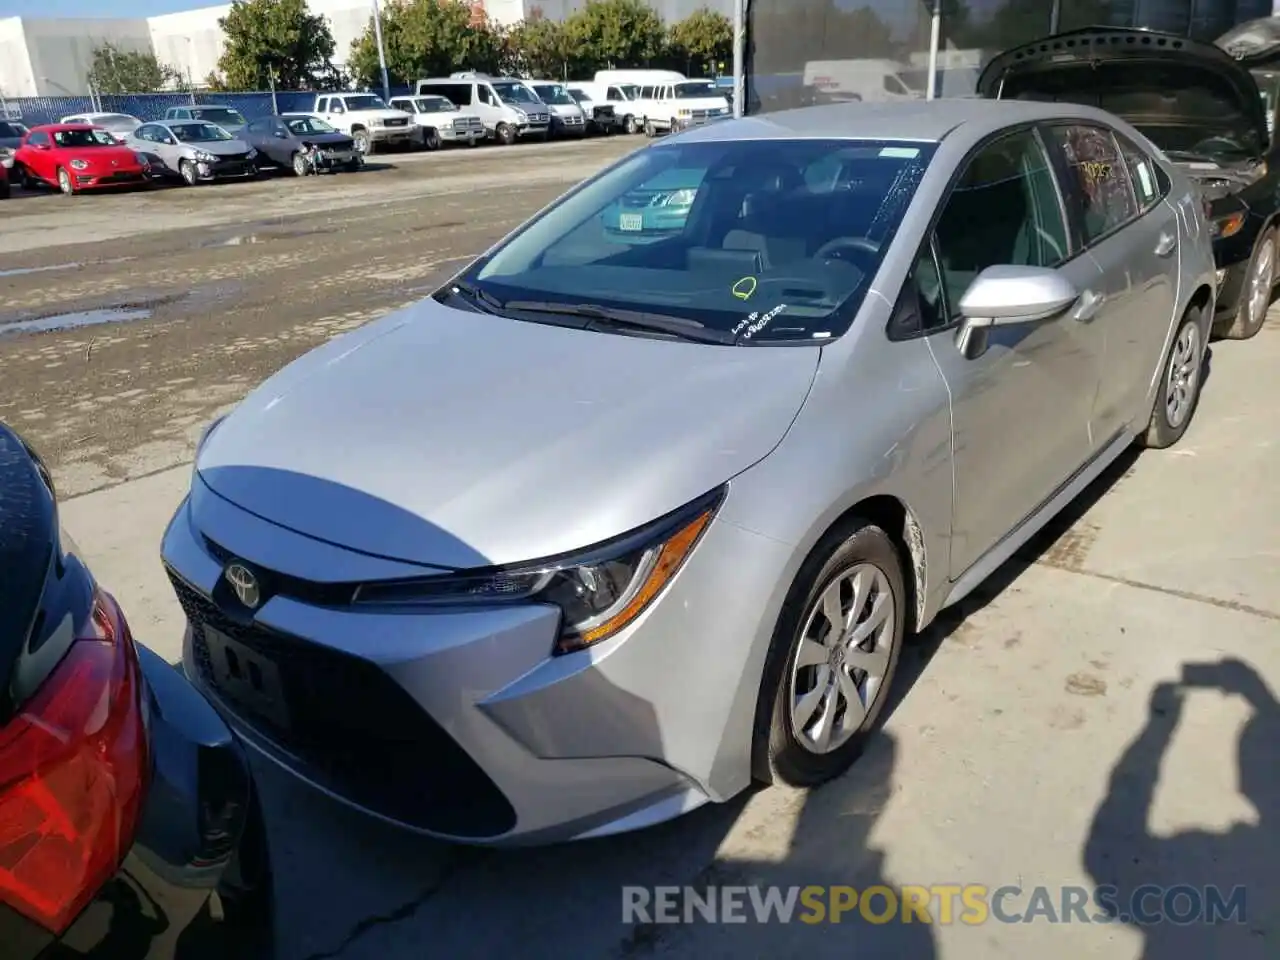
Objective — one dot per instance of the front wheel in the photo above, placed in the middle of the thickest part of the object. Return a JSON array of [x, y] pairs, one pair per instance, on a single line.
[[352, 166], [1179, 392], [1255, 295], [505, 134], [364, 144], [65, 183], [832, 659], [430, 139], [189, 175], [301, 166]]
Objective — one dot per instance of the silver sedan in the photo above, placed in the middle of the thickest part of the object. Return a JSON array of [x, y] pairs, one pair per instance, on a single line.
[[194, 150], [611, 525]]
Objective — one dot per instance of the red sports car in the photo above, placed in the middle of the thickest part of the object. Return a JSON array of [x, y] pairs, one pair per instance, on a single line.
[[75, 157]]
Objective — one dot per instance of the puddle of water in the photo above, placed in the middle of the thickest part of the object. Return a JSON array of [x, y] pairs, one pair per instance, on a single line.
[[69, 321], [248, 239]]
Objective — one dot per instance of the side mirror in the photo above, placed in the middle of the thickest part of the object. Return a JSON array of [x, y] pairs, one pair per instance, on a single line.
[[282, 135], [1009, 295]]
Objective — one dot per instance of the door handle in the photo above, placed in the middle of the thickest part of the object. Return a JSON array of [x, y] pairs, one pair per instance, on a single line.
[[1087, 306], [1167, 243]]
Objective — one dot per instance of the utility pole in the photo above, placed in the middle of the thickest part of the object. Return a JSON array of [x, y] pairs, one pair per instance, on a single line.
[[382, 53]]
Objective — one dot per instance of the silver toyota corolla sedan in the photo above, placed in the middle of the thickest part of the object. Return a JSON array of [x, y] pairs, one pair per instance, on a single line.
[[605, 529]]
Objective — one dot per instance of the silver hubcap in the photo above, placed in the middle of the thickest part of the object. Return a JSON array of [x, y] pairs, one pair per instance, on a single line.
[[1184, 373], [1261, 282], [842, 659]]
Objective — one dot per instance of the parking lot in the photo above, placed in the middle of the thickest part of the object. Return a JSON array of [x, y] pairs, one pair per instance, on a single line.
[[1025, 746]]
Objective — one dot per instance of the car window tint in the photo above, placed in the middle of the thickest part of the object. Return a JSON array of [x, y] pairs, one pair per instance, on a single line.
[[1098, 177], [1148, 185], [922, 306], [1004, 210]]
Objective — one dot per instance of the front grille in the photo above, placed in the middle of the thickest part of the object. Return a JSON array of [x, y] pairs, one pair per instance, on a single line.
[[397, 123], [232, 158], [355, 731]]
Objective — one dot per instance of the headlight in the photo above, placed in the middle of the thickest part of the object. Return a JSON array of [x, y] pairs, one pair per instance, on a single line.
[[1227, 226], [599, 590], [79, 165], [204, 157], [520, 114], [378, 122], [678, 198]]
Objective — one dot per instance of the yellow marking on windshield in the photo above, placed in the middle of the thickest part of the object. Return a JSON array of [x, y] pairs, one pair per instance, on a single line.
[[744, 288]]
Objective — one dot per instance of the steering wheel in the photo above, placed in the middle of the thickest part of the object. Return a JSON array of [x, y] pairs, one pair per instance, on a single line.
[[860, 248]]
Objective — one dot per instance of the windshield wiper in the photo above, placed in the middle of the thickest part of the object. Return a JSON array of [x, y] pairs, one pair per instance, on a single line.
[[485, 302], [598, 316]]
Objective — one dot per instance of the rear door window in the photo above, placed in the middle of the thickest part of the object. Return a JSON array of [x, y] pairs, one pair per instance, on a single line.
[[1149, 182], [1097, 178]]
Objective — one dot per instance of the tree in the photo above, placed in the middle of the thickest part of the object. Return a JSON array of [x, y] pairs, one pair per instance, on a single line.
[[538, 46], [617, 33], [113, 70], [278, 41], [426, 38], [703, 39]]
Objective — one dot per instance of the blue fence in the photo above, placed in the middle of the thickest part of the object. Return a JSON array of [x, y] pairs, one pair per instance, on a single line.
[[151, 106]]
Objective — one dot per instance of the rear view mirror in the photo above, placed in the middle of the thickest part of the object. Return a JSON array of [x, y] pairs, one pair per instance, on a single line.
[[1006, 295]]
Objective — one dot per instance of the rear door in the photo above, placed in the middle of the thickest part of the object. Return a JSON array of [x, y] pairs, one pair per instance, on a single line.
[[1132, 235], [1020, 408]]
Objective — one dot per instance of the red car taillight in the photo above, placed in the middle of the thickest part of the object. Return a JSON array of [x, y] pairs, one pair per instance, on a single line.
[[73, 770]]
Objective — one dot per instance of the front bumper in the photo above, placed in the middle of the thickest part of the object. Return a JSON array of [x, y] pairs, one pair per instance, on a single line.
[[533, 129], [226, 169], [459, 723], [406, 134], [565, 127], [199, 803], [122, 178]]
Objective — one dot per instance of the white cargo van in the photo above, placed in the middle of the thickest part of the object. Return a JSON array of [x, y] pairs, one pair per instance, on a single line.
[[868, 79], [618, 95], [638, 77], [509, 109], [669, 107]]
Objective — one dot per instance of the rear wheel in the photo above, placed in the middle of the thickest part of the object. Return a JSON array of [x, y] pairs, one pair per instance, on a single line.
[[1179, 392], [1255, 295], [650, 130], [832, 659], [65, 183], [28, 181]]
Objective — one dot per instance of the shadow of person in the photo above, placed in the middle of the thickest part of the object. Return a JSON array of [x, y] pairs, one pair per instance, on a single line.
[[1195, 894], [830, 860]]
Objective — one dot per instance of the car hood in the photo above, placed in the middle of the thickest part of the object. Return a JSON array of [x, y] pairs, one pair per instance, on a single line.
[[327, 139], [382, 114], [1177, 91], [455, 439], [220, 148]]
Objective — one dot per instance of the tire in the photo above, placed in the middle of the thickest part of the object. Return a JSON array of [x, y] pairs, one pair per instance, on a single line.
[[352, 166], [430, 139], [674, 128], [299, 164], [364, 143], [28, 181], [1255, 296], [188, 171], [504, 134], [859, 561], [4, 189], [65, 183], [629, 124], [650, 130], [1185, 363]]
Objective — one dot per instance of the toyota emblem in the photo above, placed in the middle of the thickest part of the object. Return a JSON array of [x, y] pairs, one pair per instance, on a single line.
[[244, 583]]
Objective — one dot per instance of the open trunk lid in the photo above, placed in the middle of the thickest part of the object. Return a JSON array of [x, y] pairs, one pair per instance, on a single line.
[[1185, 95]]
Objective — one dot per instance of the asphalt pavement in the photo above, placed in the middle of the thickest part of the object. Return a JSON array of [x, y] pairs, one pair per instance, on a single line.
[[1041, 736]]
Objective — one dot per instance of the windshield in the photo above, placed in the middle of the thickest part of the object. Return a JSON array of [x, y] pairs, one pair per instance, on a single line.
[[310, 125], [219, 115], [118, 122], [770, 240], [696, 89], [363, 102], [515, 93], [435, 105], [198, 132], [579, 96], [83, 138], [554, 93]]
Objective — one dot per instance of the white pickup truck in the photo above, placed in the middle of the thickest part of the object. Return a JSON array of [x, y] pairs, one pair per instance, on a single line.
[[369, 121]]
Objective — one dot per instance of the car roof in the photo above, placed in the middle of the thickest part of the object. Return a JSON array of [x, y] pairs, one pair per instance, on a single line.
[[928, 121], [59, 127]]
